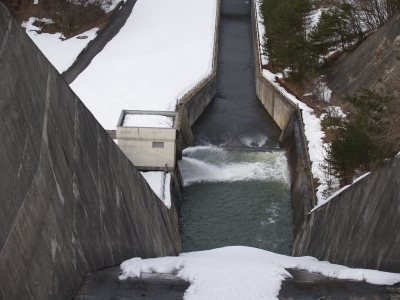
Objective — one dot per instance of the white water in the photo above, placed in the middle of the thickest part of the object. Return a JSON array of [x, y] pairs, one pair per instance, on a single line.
[[213, 164], [254, 140]]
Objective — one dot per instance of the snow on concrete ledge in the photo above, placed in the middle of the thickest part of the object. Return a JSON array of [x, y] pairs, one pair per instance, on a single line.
[[145, 120], [243, 272], [323, 202], [148, 119]]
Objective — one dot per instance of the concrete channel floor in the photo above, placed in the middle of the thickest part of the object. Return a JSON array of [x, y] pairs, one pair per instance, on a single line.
[[104, 284], [305, 285]]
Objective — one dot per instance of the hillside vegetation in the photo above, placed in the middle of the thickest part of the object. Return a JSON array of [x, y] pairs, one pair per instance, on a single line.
[[303, 48], [70, 17], [298, 49]]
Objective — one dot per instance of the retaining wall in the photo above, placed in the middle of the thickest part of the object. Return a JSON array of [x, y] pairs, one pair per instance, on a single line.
[[70, 201], [288, 117], [290, 139], [360, 226], [192, 105]]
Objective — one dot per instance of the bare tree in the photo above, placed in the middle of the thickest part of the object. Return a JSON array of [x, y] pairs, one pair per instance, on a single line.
[[372, 14], [70, 14]]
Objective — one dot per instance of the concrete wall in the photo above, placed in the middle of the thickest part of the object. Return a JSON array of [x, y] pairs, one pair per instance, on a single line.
[[275, 103], [359, 227], [286, 116], [70, 201], [301, 203], [190, 111], [375, 64], [192, 105]]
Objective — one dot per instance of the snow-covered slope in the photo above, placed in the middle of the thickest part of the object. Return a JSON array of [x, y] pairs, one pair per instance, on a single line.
[[164, 49], [61, 53]]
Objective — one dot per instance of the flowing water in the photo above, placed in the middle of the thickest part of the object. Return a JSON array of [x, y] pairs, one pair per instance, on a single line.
[[237, 189]]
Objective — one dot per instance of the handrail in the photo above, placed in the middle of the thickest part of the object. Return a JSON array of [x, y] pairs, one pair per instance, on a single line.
[[294, 105]]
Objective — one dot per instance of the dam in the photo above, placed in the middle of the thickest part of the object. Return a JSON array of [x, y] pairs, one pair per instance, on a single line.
[[64, 179]]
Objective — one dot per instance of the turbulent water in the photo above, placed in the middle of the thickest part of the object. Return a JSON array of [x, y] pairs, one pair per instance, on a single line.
[[213, 164], [235, 198], [236, 179]]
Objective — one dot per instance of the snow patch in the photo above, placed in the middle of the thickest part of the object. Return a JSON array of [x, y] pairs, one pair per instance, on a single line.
[[112, 4], [336, 111], [324, 201], [148, 121], [61, 53], [243, 272]]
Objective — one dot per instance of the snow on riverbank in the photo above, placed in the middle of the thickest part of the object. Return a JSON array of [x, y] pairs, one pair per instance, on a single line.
[[243, 272], [338, 192], [61, 54], [312, 124], [164, 49]]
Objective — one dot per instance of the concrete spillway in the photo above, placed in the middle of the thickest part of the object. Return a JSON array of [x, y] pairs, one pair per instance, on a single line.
[[237, 178]]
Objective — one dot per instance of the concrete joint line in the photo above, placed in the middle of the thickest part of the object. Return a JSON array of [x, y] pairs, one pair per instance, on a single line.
[[46, 109], [3, 45], [170, 228], [37, 171]]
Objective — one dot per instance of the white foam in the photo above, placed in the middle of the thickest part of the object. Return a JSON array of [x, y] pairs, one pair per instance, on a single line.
[[212, 164], [254, 140]]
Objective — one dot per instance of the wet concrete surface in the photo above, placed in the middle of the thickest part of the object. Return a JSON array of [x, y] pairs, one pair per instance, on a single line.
[[305, 285], [236, 115], [104, 284], [117, 21]]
